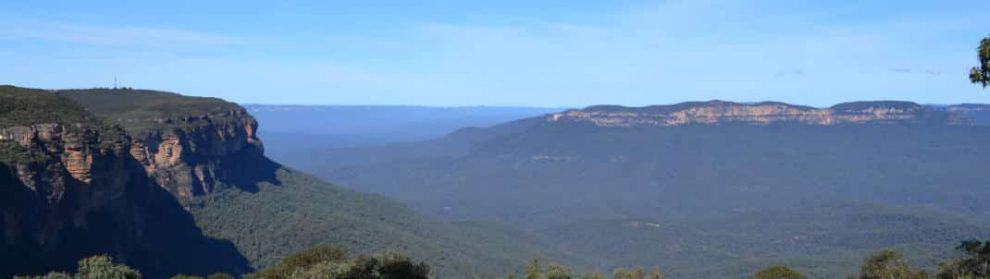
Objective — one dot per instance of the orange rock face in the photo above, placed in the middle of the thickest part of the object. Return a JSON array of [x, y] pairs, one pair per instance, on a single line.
[[188, 156], [169, 152], [78, 162], [184, 154], [73, 148], [716, 112]]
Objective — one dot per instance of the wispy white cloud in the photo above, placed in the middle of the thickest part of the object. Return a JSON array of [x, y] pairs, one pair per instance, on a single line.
[[683, 50], [110, 36]]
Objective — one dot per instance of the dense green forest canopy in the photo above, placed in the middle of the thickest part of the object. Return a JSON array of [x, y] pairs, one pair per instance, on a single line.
[[141, 110], [23, 106], [145, 104]]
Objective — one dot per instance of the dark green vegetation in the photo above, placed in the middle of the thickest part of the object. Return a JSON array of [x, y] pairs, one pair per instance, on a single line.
[[701, 200], [971, 264], [981, 73], [537, 269], [318, 262], [140, 111], [975, 262], [778, 272], [95, 267], [21, 106], [303, 212], [889, 264], [824, 241], [330, 262]]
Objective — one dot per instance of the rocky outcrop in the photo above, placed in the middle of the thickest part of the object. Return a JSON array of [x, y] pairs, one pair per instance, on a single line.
[[191, 155], [190, 146], [57, 177], [188, 155], [60, 156], [720, 113]]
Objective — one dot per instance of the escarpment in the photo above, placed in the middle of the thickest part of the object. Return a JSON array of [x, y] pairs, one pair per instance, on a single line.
[[58, 170], [190, 146], [71, 188], [60, 174], [766, 113], [192, 156]]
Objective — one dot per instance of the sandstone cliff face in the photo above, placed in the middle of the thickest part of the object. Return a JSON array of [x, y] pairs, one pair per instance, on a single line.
[[190, 146], [66, 156], [190, 155], [65, 175], [72, 185], [719, 112], [187, 155]]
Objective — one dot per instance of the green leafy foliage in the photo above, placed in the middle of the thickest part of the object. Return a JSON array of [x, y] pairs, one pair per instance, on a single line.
[[778, 272], [536, 269], [22, 106], [333, 263], [636, 273], [96, 267], [889, 264], [981, 74], [975, 262]]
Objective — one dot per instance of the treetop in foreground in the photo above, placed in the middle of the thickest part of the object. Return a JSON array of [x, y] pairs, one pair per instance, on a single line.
[[981, 73]]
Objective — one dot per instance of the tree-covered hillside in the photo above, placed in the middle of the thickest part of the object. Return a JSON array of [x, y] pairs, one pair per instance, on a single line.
[[303, 212], [732, 196], [23, 106], [141, 110]]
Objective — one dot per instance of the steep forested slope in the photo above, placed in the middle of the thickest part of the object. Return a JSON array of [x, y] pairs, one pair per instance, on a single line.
[[304, 212]]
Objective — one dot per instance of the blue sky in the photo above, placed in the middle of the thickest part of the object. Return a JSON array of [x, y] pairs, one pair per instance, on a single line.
[[532, 53]]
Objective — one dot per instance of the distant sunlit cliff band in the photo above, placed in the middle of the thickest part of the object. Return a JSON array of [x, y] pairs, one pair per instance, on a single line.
[[766, 113]]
